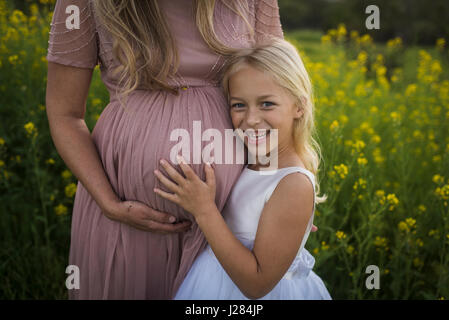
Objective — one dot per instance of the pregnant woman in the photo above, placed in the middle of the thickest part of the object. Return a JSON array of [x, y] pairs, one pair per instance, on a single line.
[[160, 61]]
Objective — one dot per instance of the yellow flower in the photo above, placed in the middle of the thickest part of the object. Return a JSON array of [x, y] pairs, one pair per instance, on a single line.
[[442, 193], [2, 163], [361, 182], [61, 210], [343, 118], [440, 43], [418, 135], [30, 129], [376, 139], [332, 32], [17, 17], [417, 262], [436, 68], [34, 9], [392, 201], [380, 242], [403, 226], [50, 161], [354, 34], [394, 43], [395, 116], [380, 193], [365, 126], [411, 89], [381, 71], [359, 145], [96, 102], [340, 235], [341, 170], [411, 222], [340, 94], [433, 233], [70, 190], [422, 208], [2, 141], [366, 39], [362, 161], [13, 59], [66, 174], [407, 224], [350, 249], [419, 242], [326, 39], [334, 125], [362, 57], [324, 246], [360, 90], [438, 179], [377, 154], [341, 31], [6, 174]]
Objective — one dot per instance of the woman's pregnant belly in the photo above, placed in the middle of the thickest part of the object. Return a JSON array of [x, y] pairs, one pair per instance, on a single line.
[[131, 142]]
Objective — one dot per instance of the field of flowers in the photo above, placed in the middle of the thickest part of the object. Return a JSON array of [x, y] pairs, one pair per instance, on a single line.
[[382, 114]]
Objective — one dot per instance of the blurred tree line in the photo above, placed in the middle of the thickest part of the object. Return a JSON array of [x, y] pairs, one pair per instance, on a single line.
[[415, 21]]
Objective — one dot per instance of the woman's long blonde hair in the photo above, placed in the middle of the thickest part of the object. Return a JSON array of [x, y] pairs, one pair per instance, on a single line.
[[139, 30], [281, 60]]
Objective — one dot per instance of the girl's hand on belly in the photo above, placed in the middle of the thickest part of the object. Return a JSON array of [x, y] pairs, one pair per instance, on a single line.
[[191, 193], [142, 217]]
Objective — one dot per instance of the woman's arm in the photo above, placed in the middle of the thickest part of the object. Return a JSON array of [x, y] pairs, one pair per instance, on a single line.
[[279, 235], [67, 90]]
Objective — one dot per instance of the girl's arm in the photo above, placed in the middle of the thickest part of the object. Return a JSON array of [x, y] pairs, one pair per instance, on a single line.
[[279, 235]]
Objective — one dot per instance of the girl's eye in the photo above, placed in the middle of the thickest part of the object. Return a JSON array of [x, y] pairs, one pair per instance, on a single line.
[[237, 105], [267, 104]]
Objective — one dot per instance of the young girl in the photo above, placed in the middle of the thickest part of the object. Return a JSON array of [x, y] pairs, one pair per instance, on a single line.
[[256, 249]]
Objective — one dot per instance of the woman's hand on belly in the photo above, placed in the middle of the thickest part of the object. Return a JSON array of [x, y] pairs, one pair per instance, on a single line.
[[142, 217]]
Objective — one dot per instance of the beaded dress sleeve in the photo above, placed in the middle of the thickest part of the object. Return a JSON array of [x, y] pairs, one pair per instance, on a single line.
[[71, 46], [267, 22]]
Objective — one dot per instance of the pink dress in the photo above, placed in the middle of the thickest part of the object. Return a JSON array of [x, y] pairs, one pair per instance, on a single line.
[[117, 261]]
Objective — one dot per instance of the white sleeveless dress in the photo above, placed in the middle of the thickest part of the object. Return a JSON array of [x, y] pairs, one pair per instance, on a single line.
[[207, 280]]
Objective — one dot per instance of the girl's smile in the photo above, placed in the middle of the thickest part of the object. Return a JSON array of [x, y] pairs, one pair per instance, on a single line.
[[256, 136], [260, 108]]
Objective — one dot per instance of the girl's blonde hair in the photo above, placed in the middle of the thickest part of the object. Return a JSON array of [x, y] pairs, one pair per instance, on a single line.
[[139, 30], [281, 60]]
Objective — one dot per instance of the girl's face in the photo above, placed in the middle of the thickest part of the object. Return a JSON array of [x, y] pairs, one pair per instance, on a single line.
[[258, 102]]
